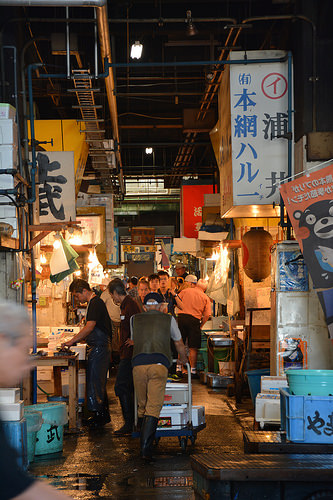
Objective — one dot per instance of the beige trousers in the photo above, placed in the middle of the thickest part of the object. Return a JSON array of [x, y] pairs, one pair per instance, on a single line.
[[149, 384]]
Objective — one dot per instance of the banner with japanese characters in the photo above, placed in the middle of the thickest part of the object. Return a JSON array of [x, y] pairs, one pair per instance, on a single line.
[[259, 127], [192, 201], [309, 203], [56, 186]]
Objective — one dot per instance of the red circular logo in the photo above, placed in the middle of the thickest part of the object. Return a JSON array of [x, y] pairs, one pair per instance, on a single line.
[[274, 86]]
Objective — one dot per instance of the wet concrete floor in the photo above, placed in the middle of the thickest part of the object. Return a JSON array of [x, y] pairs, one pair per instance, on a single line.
[[96, 464]]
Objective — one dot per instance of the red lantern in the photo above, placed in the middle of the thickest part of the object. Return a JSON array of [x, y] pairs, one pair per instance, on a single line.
[[256, 245]]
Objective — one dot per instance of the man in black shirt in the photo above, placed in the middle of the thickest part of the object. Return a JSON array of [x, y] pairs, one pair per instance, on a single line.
[[97, 332], [15, 341]]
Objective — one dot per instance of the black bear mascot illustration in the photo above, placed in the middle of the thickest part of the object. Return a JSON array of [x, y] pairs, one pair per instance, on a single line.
[[318, 246]]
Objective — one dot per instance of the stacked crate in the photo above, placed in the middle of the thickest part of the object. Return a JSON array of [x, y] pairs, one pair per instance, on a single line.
[[8, 159]]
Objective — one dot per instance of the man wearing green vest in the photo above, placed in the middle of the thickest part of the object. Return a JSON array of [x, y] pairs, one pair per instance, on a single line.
[[151, 334]]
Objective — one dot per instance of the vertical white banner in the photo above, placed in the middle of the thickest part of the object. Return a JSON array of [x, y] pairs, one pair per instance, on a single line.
[[259, 126], [56, 186]]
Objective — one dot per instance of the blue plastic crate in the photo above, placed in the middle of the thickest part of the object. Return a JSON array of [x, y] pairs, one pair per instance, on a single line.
[[307, 419]]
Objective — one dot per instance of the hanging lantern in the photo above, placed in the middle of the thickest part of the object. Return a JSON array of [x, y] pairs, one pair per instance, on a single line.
[[256, 245]]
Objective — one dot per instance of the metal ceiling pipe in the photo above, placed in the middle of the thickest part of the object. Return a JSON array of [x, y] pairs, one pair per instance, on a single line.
[[105, 46]]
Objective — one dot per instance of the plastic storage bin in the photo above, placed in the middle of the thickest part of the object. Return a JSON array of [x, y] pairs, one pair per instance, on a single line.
[[50, 437], [34, 421], [307, 419], [310, 382], [254, 378]]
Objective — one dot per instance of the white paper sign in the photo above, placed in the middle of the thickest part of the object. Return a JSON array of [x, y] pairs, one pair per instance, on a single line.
[[259, 119], [56, 186]]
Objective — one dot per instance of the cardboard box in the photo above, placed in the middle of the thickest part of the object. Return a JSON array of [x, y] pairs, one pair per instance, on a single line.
[[273, 384]]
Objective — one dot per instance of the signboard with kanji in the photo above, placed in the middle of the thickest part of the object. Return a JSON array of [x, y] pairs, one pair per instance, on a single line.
[[309, 202], [259, 128], [192, 201]]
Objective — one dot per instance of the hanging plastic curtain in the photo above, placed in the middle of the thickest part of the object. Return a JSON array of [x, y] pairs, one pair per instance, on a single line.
[[63, 261], [217, 286]]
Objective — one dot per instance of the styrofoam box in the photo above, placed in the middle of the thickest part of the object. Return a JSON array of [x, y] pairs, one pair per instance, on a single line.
[[81, 350], [7, 111], [43, 331], [7, 211], [198, 415], [173, 417], [9, 395], [271, 384], [176, 393], [267, 408], [8, 156], [11, 411], [81, 383], [8, 132]]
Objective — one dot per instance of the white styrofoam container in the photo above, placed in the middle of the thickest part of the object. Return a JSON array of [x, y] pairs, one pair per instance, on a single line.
[[267, 409], [8, 132], [7, 181], [198, 415], [273, 384], [9, 395], [81, 350], [8, 156], [7, 111], [11, 411], [176, 393], [43, 331], [7, 211], [81, 383], [173, 417]]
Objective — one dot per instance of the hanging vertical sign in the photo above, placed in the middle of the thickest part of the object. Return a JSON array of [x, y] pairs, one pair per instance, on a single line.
[[309, 203], [192, 201], [56, 186], [114, 254], [259, 127]]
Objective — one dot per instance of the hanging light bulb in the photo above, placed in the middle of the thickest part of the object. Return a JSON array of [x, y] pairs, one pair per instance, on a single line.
[[43, 259], [136, 50]]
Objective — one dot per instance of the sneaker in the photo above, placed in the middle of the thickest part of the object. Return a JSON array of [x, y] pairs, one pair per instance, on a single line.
[[175, 377]]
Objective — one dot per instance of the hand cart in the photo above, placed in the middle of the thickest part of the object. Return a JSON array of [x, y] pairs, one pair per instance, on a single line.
[[176, 395]]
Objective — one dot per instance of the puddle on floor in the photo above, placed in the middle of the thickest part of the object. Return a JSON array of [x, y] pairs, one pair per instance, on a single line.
[[87, 482]]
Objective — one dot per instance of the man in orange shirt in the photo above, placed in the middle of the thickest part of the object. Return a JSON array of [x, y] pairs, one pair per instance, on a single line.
[[196, 310]]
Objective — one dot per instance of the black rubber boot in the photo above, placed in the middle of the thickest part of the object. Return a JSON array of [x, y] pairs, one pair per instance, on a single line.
[[98, 419], [127, 406], [148, 429], [139, 424]]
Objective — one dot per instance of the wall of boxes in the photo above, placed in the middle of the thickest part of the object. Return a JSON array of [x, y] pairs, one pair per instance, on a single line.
[[8, 159]]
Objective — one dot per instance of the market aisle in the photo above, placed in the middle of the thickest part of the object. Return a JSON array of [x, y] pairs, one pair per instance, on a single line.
[[95, 464]]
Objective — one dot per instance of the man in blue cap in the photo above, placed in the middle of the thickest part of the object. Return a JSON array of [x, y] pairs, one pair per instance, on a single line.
[[151, 333]]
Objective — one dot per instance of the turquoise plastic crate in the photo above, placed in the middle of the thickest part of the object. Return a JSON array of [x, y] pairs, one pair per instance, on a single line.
[[307, 419]]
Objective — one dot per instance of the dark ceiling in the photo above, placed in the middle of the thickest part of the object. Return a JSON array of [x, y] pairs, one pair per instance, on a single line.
[[163, 101]]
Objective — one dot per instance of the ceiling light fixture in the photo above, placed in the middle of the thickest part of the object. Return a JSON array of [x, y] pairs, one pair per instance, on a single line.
[[136, 50], [191, 29], [149, 151]]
